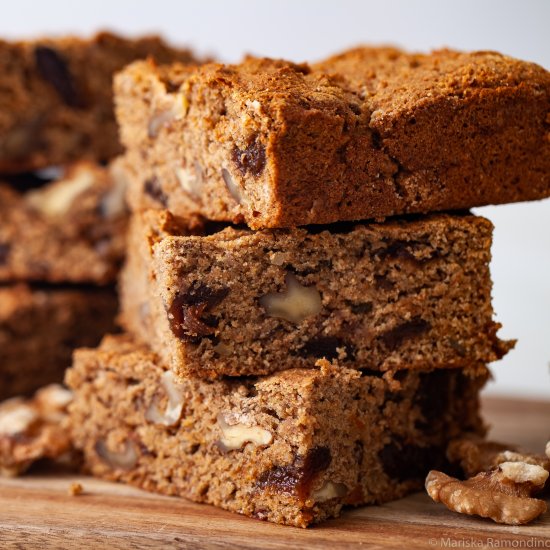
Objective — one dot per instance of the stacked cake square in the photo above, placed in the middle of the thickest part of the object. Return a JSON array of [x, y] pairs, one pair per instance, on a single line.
[[62, 211], [306, 298]]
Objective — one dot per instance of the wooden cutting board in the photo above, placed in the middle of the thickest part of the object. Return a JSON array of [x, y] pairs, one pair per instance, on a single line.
[[37, 512]]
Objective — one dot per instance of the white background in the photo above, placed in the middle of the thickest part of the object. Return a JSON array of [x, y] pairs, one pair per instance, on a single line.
[[309, 30]]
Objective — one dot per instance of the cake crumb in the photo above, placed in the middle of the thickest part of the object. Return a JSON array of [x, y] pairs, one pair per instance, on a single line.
[[75, 489]]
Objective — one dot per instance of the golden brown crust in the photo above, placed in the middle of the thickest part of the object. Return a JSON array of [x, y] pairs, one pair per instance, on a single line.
[[367, 134]]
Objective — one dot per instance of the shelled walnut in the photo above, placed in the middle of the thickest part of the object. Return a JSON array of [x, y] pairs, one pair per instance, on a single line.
[[234, 436], [34, 429], [474, 454], [503, 494], [295, 303]]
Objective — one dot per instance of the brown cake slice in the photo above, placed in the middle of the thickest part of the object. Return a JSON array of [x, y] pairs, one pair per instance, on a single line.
[[405, 294], [40, 328], [370, 133], [69, 230], [56, 97], [292, 447]]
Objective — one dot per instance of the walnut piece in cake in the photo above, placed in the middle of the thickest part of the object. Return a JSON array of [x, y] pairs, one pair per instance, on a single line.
[[503, 494]]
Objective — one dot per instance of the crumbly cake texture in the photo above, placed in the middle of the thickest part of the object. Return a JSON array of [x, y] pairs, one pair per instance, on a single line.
[[71, 230], [34, 429], [40, 328], [56, 97], [370, 133], [404, 294], [292, 447]]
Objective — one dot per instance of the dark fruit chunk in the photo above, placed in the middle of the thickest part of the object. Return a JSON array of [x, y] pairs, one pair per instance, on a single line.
[[434, 393], [405, 250], [4, 253], [458, 347], [326, 347], [26, 181], [189, 321], [359, 452], [53, 68], [297, 478], [361, 308], [383, 283], [323, 346], [152, 188], [251, 160], [171, 87], [396, 336], [397, 250], [403, 461]]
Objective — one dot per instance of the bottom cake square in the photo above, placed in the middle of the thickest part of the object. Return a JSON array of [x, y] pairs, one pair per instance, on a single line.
[[293, 447], [40, 326]]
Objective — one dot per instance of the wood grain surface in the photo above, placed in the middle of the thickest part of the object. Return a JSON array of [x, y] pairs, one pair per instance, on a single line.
[[36, 511]]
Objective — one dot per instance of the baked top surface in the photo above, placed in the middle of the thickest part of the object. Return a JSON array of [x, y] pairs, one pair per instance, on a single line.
[[382, 79], [56, 96], [367, 134]]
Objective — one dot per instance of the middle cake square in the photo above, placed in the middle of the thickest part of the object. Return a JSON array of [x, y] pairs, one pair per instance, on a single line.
[[215, 300]]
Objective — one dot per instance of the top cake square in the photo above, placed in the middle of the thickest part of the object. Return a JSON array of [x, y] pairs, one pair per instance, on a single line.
[[56, 100], [370, 133]]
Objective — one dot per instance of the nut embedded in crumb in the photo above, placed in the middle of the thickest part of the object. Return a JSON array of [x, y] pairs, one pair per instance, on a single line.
[[158, 120], [295, 304], [329, 490], [75, 489], [232, 187], [57, 198], [113, 203], [503, 494], [234, 436], [124, 459], [174, 406], [191, 180]]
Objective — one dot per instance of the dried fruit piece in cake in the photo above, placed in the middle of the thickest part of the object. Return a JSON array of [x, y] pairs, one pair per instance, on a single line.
[[405, 294], [370, 133], [292, 447]]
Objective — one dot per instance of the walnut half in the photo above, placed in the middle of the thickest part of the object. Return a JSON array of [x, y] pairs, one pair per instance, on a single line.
[[503, 494], [474, 454], [34, 429]]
